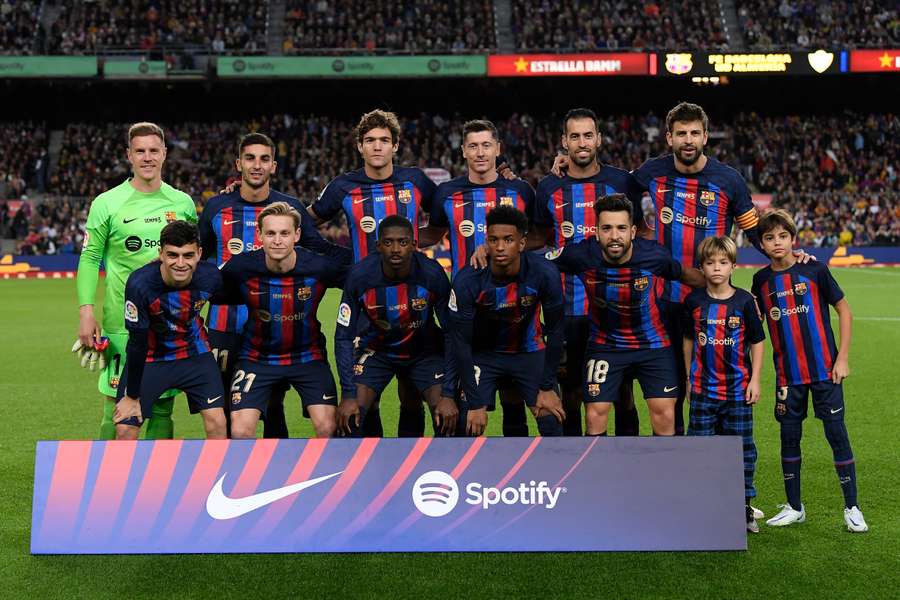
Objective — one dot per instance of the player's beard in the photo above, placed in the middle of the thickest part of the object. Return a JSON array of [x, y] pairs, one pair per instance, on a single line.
[[626, 246], [256, 186], [584, 162], [690, 161]]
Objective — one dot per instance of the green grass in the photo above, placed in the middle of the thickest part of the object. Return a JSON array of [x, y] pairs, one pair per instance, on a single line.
[[45, 395]]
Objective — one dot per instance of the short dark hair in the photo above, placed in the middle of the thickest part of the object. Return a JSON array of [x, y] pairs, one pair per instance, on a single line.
[[478, 125], [255, 138], [614, 203], [398, 221], [378, 119], [178, 234], [776, 218], [580, 113], [508, 215], [685, 112]]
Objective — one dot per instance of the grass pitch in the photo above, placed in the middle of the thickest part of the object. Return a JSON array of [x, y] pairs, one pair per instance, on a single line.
[[44, 394]]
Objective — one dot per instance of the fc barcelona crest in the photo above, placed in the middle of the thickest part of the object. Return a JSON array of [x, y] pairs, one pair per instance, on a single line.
[[405, 196], [419, 303], [734, 322], [304, 293], [171, 216], [527, 300], [641, 283], [707, 198], [506, 201], [800, 288]]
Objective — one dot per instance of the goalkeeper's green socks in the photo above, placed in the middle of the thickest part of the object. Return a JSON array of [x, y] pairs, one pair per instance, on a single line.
[[160, 425], [107, 427]]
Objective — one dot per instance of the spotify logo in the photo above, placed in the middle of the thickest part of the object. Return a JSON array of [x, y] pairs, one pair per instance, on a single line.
[[435, 493]]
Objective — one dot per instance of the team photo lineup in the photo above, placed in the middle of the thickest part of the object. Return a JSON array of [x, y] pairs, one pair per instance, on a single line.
[[555, 300]]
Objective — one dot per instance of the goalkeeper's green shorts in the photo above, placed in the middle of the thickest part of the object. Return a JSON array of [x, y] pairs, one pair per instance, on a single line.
[[115, 362]]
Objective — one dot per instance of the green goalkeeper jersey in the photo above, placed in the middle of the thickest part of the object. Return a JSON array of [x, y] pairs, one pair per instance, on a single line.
[[122, 232]]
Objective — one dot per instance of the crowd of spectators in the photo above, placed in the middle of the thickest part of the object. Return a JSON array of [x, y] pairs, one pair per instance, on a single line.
[[816, 24], [407, 26], [587, 25], [837, 174], [18, 25], [223, 25], [24, 161], [54, 227]]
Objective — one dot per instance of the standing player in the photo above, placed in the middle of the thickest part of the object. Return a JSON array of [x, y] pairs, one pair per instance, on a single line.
[[723, 349], [122, 232], [461, 206], [498, 336], [564, 214], [282, 342], [795, 299], [167, 345], [366, 196], [396, 292], [228, 227], [624, 279]]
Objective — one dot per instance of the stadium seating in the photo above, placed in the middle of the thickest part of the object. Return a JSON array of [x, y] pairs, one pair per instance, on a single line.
[[18, 24], [807, 24], [386, 26], [585, 25]]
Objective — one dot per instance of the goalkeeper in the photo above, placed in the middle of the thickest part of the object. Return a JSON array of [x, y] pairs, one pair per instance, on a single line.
[[122, 232]]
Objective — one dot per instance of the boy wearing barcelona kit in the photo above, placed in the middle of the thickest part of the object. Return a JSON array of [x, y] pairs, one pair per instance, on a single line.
[[624, 279], [282, 343], [723, 349], [497, 332], [167, 346], [396, 294], [795, 299]]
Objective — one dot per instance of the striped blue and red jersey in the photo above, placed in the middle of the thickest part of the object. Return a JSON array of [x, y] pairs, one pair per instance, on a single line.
[[626, 299], [462, 207], [795, 302], [365, 202], [566, 206], [393, 318], [169, 316], [722, 331], [228, 227], [282, 327], [690, 208]]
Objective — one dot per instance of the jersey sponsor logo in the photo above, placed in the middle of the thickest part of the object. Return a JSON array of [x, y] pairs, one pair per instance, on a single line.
[[221, 507], [282, 296], [131, 312], [467, 228], [703, 339], [707, 197], [553, 254], [641, 283], [385, 198], [368, 224], [263, 315], [279, 318], [344, 314], [405, 196], [419, 303], [451, 304], [133, 243], [436, 494], [567, 228], [689, 196], [667, 215], [304, 293], [382, 324], [777, 313]]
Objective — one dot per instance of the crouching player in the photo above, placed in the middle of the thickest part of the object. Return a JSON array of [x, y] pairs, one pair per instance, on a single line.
[[795, 299], [389, 301], [497, 332], [624, 280], [723, 349], [282, 342], [167, 345]]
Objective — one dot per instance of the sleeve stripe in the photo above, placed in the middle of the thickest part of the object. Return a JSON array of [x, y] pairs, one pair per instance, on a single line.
[[748, 220]]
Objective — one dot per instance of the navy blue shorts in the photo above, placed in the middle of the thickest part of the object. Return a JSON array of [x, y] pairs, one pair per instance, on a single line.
[[197, 376], [253, 383], [575, 344], [522, 371], [225, 347], [374, 370], [606, 368], [792, 401]]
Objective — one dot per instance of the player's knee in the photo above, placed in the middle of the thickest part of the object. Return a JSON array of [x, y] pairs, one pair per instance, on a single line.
[[325, 428], [791, 433], [214, 423], [836, 434], [127, 432]]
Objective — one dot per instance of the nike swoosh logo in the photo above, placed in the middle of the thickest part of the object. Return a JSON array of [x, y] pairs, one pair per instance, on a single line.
[[375, 307], [670, 389], [559, 206], [257, 293], [360, 201], [211, 400], [221, 507], [834, 412], [127, 221], [231, 222], [460, 204], [324, 397], [663, 190], [438, 375]]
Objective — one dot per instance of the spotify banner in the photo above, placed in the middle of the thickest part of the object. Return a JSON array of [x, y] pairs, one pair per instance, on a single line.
[[389, 495]]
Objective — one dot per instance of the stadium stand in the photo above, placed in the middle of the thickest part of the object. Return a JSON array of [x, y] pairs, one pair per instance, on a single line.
[[18, 24], [585, 25], [390, 26], [806, 24], [837, 175]]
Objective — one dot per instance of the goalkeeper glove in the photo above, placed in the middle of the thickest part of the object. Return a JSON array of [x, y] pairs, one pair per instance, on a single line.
[[92, 358]]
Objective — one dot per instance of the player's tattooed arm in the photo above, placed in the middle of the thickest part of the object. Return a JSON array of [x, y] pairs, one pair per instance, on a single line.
[[841, 368]]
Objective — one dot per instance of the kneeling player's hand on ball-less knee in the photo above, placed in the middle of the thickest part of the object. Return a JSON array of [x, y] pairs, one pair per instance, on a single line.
[[446, 415], [548, 403], [476, 421], [347, 414], [91, 358], [126, 408]]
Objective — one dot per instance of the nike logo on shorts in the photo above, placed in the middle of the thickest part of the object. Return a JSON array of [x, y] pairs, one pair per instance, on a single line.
[[327, 397], [211, 400], [834, 412], [670, 389]]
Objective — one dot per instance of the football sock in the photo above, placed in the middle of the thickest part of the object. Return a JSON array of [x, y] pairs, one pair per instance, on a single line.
[[836, 434], [627, 421], [275, 424], [548, 426], [371, 422], [791, 434], [515, 422], [412, 421], [107, 427], [160, 426]]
